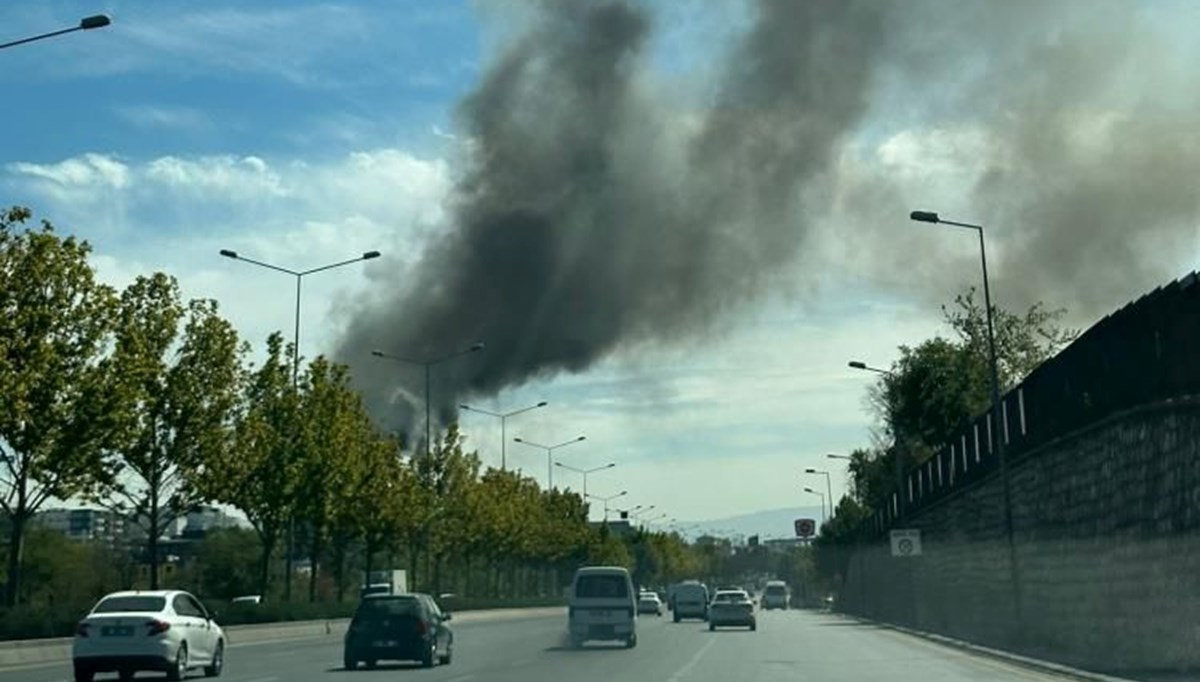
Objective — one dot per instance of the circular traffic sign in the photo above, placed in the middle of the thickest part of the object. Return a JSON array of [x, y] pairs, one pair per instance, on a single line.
[[905, 546]]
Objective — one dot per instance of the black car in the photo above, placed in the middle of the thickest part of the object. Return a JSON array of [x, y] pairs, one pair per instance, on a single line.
[[400, 627]]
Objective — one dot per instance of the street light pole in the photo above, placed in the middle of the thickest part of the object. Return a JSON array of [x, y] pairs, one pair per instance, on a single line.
[[299, 275], [550, 455], [822, 496], [85, 24], [429, 364], [503, 416], [606, 499], [828, 485], [585, 472], [997, 407], [898, 458]]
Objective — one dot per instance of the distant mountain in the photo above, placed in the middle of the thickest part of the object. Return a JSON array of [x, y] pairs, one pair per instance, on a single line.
[[772, 523]]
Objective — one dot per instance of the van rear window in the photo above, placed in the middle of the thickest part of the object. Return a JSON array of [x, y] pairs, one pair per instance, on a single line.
[[774, 590], [601, 587]]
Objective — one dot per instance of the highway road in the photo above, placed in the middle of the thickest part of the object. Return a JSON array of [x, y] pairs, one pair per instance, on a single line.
[[788, 645]]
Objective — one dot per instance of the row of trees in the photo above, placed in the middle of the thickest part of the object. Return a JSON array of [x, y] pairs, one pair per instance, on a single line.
[[929, 395], [149, 405]]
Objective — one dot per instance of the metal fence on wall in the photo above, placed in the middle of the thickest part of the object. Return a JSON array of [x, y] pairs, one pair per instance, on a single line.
[[1146, 352]]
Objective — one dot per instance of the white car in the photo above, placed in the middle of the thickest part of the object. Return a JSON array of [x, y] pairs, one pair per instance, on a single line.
[[163, 630], [648, 602], [731, 607]]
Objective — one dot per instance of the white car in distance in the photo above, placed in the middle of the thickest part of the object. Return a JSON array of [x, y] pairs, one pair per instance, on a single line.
[[164, 630], [648, 602]]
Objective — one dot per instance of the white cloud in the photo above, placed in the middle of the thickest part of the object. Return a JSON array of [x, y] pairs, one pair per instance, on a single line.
[[168, 118], [89, 170], [226, 177]]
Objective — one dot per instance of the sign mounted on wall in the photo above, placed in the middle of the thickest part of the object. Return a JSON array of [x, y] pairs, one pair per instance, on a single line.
[[906, 542]]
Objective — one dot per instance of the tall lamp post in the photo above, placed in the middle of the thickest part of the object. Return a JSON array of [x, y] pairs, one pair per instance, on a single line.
[[585, 472], [428, 364], [299, 275], [898, 459], [828, 485], [997, 408], [608, 498], [550, 454], [822, 496], [85, 24], [503, 417]]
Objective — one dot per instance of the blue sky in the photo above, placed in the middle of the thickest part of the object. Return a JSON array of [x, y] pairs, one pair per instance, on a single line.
[[304, 132]]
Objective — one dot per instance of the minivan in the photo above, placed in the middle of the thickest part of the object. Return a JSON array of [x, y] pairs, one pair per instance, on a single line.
[[775, 596], [691, 601], [602, 606]]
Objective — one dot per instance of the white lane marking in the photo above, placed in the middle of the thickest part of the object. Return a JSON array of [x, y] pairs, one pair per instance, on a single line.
[[272, 678], [687, 667], [461, 678]]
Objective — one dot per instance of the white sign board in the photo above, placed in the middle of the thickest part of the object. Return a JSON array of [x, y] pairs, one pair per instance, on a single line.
[[906, 543]]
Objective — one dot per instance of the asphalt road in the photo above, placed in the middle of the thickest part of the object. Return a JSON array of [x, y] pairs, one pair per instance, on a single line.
[[788, 645]]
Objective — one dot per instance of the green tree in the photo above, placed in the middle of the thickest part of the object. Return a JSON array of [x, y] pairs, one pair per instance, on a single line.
[[55, 323], [177, 389], [259, 474], [226, 564], [334, 427]]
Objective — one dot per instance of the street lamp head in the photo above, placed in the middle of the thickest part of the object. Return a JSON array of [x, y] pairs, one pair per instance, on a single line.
[[476, 347], [96, 21], [856, 364], [379, 354], [610, 465], [924, 217], [370, 254], [518, 440], [464, 407], [229, 254], [810, 471], [580, 438], [622, 493], [560, 464], [542, 404], [810, 490]]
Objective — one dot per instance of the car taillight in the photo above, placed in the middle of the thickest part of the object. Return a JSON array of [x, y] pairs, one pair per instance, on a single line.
[[157, 627], [81, 629], [421, 627]]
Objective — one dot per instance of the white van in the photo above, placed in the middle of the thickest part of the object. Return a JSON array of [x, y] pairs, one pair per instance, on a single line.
[[690, 600], [602, 606], [775, 595]]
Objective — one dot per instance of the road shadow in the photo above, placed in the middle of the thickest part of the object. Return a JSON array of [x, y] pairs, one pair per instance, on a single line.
[[848, 624], [378, 666]]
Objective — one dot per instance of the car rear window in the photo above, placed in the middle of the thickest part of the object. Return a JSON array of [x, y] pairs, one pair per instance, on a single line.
[[776, 589], [730, 597], [601, 586], [131, 604], [380, 608]]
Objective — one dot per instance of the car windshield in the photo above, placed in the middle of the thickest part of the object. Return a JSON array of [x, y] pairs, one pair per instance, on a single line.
[[601, 586], [131, 604], [376, 608], [886, 312]]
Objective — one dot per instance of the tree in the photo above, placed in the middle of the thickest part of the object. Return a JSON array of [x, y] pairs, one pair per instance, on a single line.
[[938, 386], [334, 426], [173, 415], [55, 320], [259, 474]]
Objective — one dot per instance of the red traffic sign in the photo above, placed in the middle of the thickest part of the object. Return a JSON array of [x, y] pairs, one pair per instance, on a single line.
[[805, 528]]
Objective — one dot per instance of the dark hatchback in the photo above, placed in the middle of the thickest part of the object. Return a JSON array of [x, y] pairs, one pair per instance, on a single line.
[[402, 627]]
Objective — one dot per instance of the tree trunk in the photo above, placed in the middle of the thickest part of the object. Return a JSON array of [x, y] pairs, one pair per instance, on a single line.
[[264, 567], [314, 564], [152, 538], [16, 556]]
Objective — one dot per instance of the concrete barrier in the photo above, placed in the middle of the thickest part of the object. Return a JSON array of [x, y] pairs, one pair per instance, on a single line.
[[32, 652]]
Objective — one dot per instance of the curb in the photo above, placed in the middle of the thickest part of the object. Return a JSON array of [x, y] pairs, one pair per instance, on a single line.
[[1036, 664]]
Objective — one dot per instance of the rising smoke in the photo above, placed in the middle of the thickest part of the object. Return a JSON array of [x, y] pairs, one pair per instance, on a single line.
[[595, 213]]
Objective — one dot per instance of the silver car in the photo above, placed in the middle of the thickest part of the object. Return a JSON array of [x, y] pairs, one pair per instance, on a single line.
[[731, 607]]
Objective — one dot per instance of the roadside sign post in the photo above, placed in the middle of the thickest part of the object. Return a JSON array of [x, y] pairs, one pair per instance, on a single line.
[[805, 528], [906, 542]]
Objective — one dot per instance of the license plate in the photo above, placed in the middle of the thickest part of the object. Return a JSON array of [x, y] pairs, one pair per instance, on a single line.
[[117, 631], [385, 642]]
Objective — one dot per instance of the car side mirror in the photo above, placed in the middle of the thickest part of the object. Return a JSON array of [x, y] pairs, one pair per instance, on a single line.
[[445, 616], [212, 615]]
